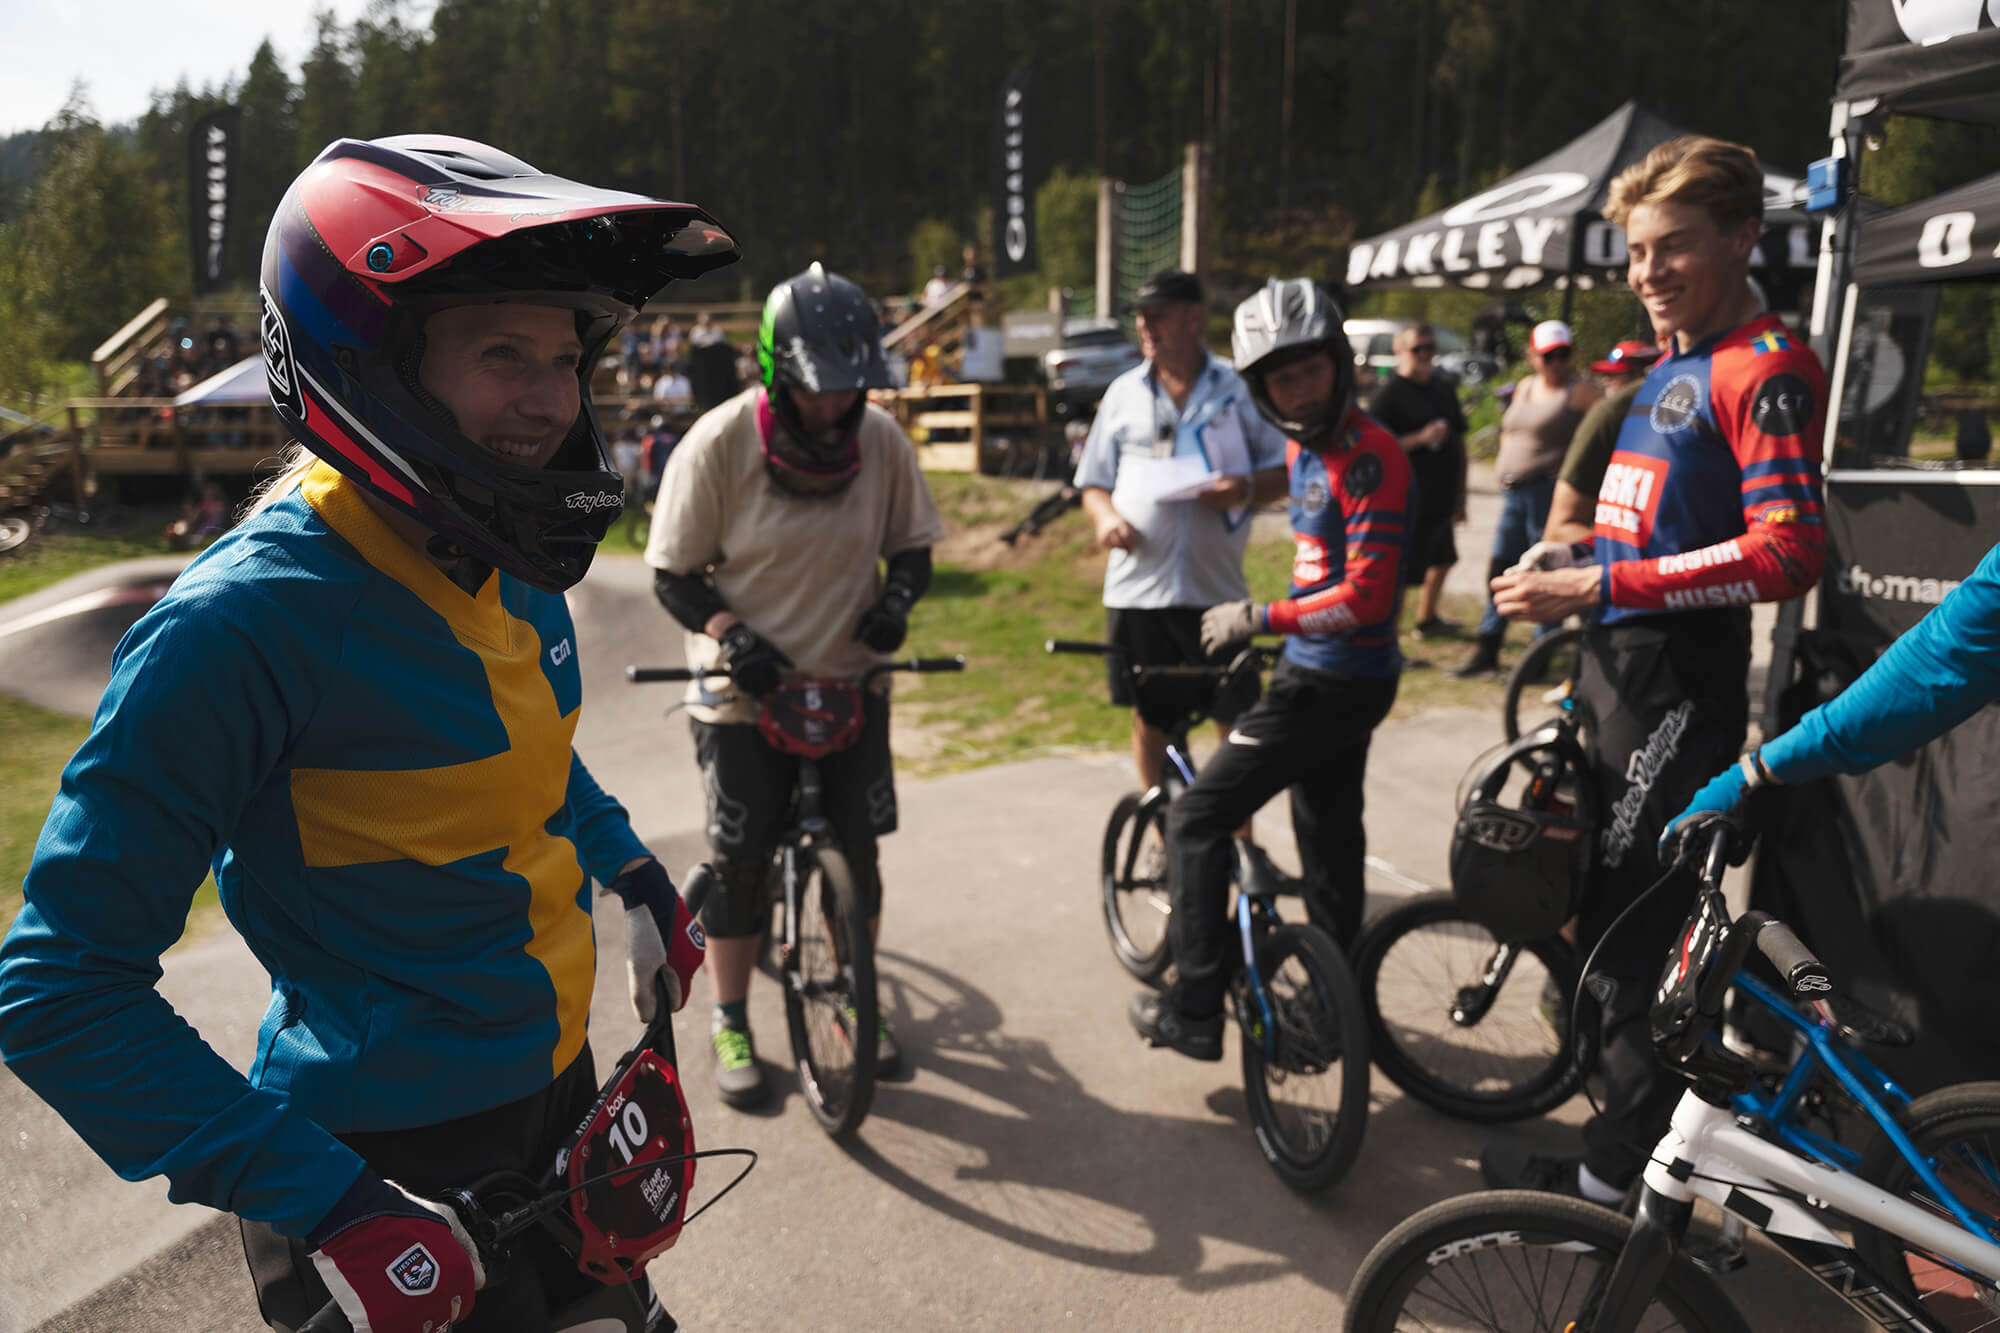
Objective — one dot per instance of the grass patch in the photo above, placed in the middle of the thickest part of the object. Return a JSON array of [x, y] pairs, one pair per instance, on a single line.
[[996, 605], [40, 743], [61, 549]]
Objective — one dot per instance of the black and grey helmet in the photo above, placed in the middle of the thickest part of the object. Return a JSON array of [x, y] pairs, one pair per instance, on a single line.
[[1290, 319], [820, 334]]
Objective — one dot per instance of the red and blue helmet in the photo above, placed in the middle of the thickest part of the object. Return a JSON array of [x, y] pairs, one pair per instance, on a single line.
[[374, 237]]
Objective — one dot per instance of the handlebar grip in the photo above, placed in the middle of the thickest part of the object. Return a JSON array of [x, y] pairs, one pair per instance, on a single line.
[[1077, 646], [697, 885], [1805, 974], [926, 664], [328, 1320], [639, 675]]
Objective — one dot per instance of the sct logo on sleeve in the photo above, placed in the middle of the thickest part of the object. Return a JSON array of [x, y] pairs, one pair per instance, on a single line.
[[1783, 406]]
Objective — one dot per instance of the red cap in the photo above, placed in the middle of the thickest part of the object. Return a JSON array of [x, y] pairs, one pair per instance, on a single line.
[[1630, 357]]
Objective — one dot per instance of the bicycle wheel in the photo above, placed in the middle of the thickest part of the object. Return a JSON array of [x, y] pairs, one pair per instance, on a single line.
[[1957, 1129], [1541, 681], [1309, 1095], [830, 994], [1511, 1261], [1449, 1032], [1133, 874]]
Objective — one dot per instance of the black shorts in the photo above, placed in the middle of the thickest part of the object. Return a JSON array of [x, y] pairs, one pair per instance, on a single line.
[[522, 1136], [1170, 636], [1432, 545]]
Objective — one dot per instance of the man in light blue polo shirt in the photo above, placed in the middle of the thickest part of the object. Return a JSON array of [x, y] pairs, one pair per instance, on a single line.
[[1177, 458]]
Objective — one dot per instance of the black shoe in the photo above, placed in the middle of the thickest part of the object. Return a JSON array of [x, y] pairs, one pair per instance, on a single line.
[[1505, 1167], [1258, 873], [1485, 661], [1436, 627], [1155, 1018]]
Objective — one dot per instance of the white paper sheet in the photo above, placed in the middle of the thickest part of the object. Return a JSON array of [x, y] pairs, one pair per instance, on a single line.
[[1157, 481]]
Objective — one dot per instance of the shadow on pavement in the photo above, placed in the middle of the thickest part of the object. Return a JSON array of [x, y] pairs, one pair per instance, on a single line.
[[1022, 1152]]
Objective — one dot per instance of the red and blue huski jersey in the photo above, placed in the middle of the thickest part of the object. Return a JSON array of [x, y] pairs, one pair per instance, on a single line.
[[1350, 515], [1712, 497]]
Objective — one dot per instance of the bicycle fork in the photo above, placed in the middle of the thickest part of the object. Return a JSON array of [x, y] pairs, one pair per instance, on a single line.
[[1265, 1026]]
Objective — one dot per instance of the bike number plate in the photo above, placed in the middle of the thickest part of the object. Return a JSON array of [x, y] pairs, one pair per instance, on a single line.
[[633, 1193]]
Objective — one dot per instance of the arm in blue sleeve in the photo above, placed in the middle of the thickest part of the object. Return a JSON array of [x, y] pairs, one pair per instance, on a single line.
[[199, 712], [601, 828], [1940, 673]]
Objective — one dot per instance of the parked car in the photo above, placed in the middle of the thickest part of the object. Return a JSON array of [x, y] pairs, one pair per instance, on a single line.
[[1094, 352], [1373, 341]]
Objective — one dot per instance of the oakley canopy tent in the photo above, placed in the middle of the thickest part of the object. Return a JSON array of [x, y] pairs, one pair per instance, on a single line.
[[1544, 224]]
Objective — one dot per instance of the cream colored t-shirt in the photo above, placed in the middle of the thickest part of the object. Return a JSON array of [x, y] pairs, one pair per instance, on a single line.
[[798, 570]]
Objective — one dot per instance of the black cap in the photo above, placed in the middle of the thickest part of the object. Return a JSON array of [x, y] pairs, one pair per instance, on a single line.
[[1170, 286]]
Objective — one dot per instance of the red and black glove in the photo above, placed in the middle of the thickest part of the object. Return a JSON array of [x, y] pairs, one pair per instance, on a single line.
[[395, 1263], [663, 940]]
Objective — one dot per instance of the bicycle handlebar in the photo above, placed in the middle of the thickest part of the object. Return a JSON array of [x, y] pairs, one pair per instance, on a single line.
[[1081, 647], [638, 675], [1808, 978]]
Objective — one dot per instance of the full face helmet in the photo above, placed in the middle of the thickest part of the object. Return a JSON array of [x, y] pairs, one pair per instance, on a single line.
[[1288, 321], [376, 236], [819, 335]]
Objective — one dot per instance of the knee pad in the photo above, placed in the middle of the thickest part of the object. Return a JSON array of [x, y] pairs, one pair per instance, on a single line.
[[863, 864], [739, 905]]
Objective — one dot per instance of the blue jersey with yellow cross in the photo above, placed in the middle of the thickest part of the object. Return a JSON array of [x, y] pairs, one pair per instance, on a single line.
[[378, 769]]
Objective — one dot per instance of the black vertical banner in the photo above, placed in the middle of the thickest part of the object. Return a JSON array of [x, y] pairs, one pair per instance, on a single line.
[[1014, 191], [211, 193]]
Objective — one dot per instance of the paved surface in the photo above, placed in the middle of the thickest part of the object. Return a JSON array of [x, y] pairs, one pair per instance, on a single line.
[[1036, 1169]]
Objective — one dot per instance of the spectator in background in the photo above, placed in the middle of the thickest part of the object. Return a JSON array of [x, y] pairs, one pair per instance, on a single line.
[[672, 388], [224, 349], [627, 457], [1573, 510], [654, 449], [927, 367], [1173, 559], [973, 276], [1421, 409], [1535, 432], [673, 343], [711, 366], [937, 288]]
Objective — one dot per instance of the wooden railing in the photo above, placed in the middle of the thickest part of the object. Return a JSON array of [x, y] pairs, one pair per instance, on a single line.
[[980, 417], [118, 357]]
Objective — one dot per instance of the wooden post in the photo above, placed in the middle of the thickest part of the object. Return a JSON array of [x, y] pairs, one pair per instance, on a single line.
[[75, 458], [1194, 210], [1108, 191]]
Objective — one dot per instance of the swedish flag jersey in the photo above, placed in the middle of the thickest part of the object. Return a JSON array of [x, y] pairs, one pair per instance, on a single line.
[[378, 768]]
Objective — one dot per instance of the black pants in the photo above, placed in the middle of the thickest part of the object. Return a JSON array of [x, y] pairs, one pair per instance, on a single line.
[[521, 1136], [749, 787], [1309, 732], [1667, 710]]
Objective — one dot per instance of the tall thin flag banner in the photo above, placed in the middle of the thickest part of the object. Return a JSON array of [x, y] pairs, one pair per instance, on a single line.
[[1014, 202], [211, 193]]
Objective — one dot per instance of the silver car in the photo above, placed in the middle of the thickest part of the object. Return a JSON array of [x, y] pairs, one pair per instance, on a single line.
[[1373, 341], [1094, 352]]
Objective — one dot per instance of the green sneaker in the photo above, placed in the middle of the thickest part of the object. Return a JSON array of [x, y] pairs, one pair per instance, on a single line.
[[888, 1055], [738, 1076]]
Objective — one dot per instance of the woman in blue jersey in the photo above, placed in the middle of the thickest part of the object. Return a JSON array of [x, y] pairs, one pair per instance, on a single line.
[[1930, 680], [357, 708]]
